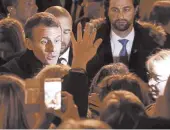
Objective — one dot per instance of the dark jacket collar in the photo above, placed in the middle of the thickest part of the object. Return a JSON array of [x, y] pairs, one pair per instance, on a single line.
[[29, 63]]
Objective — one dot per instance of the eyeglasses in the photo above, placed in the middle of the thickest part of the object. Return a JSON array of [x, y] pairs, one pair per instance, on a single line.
[[155, 78]]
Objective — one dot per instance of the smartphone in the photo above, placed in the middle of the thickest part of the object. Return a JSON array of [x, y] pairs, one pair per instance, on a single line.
[[52, 90]]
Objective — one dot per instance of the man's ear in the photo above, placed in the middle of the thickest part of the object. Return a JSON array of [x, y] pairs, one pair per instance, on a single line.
[[28, 44], [11, 10]]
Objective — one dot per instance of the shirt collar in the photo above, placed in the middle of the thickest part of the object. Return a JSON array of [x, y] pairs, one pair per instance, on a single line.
[[129, 37], [65, 55]]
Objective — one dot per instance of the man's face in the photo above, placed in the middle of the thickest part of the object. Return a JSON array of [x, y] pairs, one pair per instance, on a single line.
[[46, 43], [66, 25], [159, 77], [25, 9], [121, 14]]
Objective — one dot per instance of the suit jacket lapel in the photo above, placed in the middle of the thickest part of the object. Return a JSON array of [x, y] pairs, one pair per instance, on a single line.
[[108, 58], [135, 47]]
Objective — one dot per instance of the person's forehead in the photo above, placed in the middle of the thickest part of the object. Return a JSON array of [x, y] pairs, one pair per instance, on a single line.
[[46, 31], [120, 3], [65, 22], [161, 68], [26, 1]]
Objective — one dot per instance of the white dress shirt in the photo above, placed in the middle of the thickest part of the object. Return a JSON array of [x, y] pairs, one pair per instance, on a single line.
[[116, 46], [65, 56]]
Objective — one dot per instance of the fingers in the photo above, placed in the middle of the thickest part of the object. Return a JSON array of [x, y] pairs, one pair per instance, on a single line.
[[86, 33], [97, 43], [79, 33], [93, 36]]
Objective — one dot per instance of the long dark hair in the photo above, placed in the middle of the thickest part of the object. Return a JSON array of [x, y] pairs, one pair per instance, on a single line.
[[12, 33], [12, 97]]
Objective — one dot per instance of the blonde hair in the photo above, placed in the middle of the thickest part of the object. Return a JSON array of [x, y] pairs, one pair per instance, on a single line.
[[163, 56]]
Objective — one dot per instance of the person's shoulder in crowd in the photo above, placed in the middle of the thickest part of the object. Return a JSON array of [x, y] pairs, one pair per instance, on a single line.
[[17, 54], [23, 65], [11, 66], [155, 32], [153, 123]]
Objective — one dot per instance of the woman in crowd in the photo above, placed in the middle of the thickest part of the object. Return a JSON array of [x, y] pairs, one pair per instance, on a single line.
[[12, 109], [11, 37]]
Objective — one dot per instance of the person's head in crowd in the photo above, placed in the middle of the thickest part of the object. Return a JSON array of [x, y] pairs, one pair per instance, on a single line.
[[121, 14], [160, 13], [111, 69], [20, 9], [12, 98], [66, 22], [12, 37], [129, 82], [43, 36], [158, 70], [93, 8], [83, 124], [122, 110]]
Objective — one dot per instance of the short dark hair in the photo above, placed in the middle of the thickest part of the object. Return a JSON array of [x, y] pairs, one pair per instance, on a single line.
[[129, 82], [122, 110], [111, 69], [160, 13], [107, 2], [43, 18]]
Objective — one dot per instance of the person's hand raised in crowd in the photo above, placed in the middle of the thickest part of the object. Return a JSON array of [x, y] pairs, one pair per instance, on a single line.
[[71, 109], [85, 47], [70, 112], [96, 23]]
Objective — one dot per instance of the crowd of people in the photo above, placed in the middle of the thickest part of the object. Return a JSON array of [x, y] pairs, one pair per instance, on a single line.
[[113, 66]]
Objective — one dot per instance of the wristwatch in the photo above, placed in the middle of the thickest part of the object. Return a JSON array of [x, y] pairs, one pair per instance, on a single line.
[[79, 70]]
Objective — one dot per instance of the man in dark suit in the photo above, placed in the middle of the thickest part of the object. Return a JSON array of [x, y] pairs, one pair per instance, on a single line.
[[43, 41], [124, 40]]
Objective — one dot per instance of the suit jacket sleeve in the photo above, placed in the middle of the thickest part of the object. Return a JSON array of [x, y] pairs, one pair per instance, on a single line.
[[77, 84]]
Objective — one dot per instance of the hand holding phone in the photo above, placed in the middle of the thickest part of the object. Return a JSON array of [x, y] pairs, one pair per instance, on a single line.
[[32, 93]]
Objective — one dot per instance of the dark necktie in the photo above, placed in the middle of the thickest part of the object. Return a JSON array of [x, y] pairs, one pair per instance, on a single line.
[[123, 55], [62, 61]]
